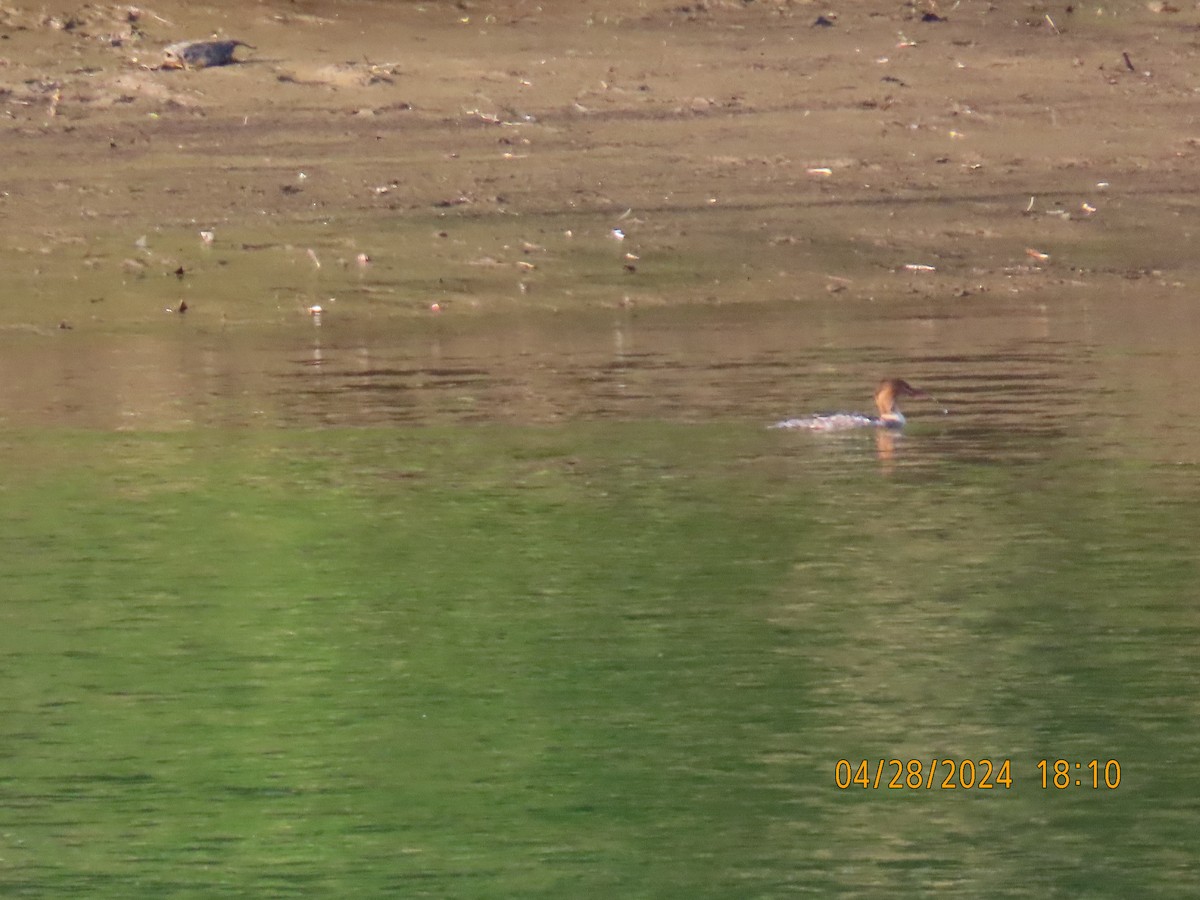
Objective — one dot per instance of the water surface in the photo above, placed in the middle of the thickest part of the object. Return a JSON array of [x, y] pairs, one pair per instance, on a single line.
[[535, 605]]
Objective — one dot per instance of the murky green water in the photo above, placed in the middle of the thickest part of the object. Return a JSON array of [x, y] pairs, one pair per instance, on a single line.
[[535, 606]]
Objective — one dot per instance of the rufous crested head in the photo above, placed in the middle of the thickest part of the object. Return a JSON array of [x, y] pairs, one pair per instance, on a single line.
[[891, 388]]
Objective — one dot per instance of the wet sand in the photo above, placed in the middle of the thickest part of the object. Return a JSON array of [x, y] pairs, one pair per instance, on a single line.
[[748, 151]]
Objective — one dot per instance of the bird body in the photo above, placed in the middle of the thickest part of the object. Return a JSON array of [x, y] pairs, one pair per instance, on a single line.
[[885, 402]]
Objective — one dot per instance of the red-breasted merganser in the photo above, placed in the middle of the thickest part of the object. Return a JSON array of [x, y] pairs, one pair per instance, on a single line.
[[885, 401]]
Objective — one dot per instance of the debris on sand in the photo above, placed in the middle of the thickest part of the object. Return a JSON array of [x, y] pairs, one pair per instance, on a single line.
[[200, 54]]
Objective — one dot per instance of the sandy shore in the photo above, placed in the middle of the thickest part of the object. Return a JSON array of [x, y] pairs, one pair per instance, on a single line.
[[860, 151]]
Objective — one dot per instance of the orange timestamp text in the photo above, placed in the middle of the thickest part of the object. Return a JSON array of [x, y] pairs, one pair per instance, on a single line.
[[938, 773]]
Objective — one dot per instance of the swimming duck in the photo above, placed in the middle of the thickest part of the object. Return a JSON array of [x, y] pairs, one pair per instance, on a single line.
[[885, 401]]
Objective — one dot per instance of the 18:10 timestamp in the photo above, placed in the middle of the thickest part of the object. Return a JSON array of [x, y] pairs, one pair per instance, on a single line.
[[1065, 773]]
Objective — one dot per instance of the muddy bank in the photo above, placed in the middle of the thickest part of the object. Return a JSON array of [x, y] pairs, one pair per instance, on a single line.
[[746, 151]]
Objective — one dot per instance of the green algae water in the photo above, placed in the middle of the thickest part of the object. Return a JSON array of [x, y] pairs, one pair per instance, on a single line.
[[590, 658], [534, 604]]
